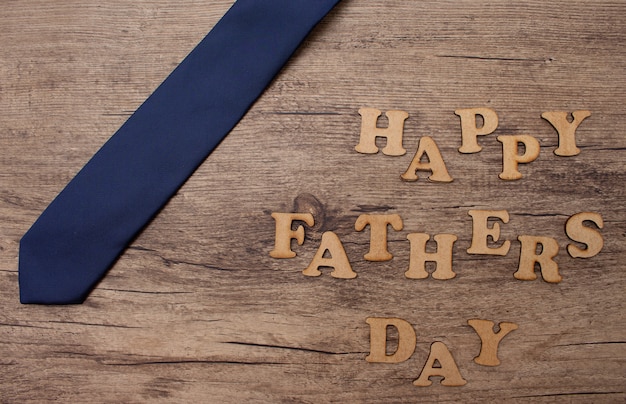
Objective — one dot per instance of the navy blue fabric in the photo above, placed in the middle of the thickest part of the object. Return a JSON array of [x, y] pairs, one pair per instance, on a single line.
[[84, 230]]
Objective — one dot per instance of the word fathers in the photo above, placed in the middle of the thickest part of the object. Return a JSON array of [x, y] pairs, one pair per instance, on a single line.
[[536, 251]]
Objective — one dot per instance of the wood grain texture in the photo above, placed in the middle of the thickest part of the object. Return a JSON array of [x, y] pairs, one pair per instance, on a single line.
[[197, 311]]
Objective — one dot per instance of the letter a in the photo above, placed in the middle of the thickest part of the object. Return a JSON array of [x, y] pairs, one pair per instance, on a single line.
[[338, 260], [447, 367], [427, 147], [393, 132]]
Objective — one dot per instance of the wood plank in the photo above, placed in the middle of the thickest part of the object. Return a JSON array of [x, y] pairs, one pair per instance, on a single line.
[[197, 310]]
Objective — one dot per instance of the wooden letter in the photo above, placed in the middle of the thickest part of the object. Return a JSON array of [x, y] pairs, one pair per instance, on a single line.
[[566, 130], [338, 258], [529, 257], [378, 340], [447, 367], [510, 158], [284, 234], [393, 132], [469, 129], [577, 232], [481, 231], [378, 234], [427, 147], [489, 340], [419, 256]]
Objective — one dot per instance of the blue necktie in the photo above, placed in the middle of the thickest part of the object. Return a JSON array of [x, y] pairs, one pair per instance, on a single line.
[[83, 231]]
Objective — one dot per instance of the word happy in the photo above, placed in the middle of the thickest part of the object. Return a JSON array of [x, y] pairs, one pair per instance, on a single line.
[[428, 150]]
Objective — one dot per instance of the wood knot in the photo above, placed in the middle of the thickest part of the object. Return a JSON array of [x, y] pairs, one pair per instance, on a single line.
[[308, 203]]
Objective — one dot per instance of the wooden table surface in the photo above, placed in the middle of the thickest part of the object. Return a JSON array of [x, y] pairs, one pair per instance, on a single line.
[[196, 310]]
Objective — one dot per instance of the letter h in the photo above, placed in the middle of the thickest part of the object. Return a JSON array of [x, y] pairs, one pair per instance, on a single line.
[[393, 132]]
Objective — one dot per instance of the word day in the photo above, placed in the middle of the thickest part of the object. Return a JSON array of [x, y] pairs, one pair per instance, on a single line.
[[536, 251], [440, 361], [429, 158]]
